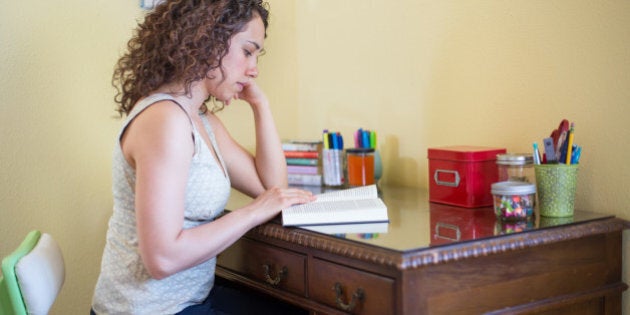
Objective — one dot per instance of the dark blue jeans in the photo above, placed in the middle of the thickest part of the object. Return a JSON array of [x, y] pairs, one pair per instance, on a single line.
[[229, 299]]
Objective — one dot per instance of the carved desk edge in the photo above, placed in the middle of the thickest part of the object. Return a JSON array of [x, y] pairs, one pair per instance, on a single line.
[[435, 255]]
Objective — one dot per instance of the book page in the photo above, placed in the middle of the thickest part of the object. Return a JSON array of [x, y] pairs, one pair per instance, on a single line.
[[335, 207], [335, 212], [364, 192]]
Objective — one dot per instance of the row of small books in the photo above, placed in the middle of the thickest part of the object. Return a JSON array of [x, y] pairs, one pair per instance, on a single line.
[[303, 162]]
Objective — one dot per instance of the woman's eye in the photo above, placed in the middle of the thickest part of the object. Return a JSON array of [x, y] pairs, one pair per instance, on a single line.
[[247, 52]]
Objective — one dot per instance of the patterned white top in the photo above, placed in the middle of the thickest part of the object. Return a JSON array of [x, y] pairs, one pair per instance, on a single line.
[[124, 286]]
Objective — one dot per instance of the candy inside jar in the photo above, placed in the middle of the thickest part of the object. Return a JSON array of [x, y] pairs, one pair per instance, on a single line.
[[514, 200]]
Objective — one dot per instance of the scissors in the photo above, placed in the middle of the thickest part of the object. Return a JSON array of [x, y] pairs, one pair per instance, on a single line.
[[560, 134]]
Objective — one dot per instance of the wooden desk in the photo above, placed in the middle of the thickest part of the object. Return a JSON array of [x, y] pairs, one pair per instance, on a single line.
[[436, 259]]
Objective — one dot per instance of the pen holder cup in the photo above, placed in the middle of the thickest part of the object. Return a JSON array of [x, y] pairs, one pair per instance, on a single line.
[[332, 162], [556, 185], [360, 166], [378, 166], [551, 221]]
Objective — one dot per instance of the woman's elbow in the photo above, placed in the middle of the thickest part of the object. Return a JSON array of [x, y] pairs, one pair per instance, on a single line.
[[157, 273], [158, 268]]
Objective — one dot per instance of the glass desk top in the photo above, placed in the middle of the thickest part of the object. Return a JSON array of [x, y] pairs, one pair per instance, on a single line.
[[415, 223]]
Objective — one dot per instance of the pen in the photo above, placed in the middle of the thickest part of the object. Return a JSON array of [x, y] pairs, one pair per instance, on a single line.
[[569, 145], [561, 149], [325, 138], [536, 154]]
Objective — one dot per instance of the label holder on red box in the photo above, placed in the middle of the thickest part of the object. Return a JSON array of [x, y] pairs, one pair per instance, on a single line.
[[454, 183]]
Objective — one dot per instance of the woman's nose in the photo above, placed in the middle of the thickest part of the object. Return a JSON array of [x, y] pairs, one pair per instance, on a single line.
[[252, 69], [252, 72]]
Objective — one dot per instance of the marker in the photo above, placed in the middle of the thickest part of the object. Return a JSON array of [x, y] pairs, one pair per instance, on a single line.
[[373, 139], [335, 140], [365, 142], [331, 142], [340, 141], [575, 159], [325, 138]]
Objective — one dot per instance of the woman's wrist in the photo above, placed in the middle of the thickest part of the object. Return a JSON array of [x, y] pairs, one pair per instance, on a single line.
[[259, 105]]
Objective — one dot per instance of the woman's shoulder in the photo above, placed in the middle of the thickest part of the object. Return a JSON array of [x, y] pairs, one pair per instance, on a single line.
[[157, 100], [161, 119], [164, 113], [159, 104]]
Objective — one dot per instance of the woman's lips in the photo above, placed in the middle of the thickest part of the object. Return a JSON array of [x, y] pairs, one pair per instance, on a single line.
[[241, 86]]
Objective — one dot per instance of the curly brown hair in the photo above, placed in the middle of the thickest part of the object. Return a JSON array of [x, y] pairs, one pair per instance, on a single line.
[[180, 41]]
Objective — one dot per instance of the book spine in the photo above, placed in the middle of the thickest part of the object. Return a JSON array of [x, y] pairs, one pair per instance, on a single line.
[[301, 169], [305, 179], [299, 161], [300, 146], [301, 154]]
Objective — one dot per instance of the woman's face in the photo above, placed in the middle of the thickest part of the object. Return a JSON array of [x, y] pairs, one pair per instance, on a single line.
[[240, 65]]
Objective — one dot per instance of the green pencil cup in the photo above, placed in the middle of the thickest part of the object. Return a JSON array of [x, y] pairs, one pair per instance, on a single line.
[[550, 221], [556, 185]]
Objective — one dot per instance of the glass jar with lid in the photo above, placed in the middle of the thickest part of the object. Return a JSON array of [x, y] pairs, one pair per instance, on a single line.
[[516, 167]]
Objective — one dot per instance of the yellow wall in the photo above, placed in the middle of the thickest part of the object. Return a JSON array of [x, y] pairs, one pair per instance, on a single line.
[[422, 73]]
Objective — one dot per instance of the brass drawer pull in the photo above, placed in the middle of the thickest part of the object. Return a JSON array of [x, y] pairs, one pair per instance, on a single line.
[[358, 295], [279, 276]]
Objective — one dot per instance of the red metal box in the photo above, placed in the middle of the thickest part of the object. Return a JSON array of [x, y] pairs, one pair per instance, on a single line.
[[462, 175]]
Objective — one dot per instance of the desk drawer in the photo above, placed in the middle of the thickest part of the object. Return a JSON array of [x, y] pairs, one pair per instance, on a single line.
[[340, 286], [277, 267]]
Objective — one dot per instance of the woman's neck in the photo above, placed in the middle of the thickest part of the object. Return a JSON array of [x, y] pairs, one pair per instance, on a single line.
[[192, 101]]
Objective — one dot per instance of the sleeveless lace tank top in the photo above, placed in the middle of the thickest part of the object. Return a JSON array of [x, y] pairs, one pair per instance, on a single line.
[[124, 285]]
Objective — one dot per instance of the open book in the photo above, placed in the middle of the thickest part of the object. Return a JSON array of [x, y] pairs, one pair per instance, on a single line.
[[354, 205], [352, 228]]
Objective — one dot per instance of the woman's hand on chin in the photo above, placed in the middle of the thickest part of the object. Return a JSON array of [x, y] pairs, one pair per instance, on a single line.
[[252, 94]]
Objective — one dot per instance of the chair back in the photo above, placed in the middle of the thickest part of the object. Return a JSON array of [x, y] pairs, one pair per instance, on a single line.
[[32, 276]]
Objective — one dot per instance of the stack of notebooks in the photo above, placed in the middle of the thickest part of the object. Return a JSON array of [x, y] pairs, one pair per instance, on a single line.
[[303, 162]]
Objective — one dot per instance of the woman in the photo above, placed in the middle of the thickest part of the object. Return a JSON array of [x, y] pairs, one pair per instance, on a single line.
[[175, 162]]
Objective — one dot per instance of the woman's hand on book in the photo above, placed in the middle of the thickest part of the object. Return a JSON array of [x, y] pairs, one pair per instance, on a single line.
[[268, 204]]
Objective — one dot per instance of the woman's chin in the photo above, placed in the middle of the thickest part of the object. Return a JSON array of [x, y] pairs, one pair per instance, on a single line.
[[225, 101]]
